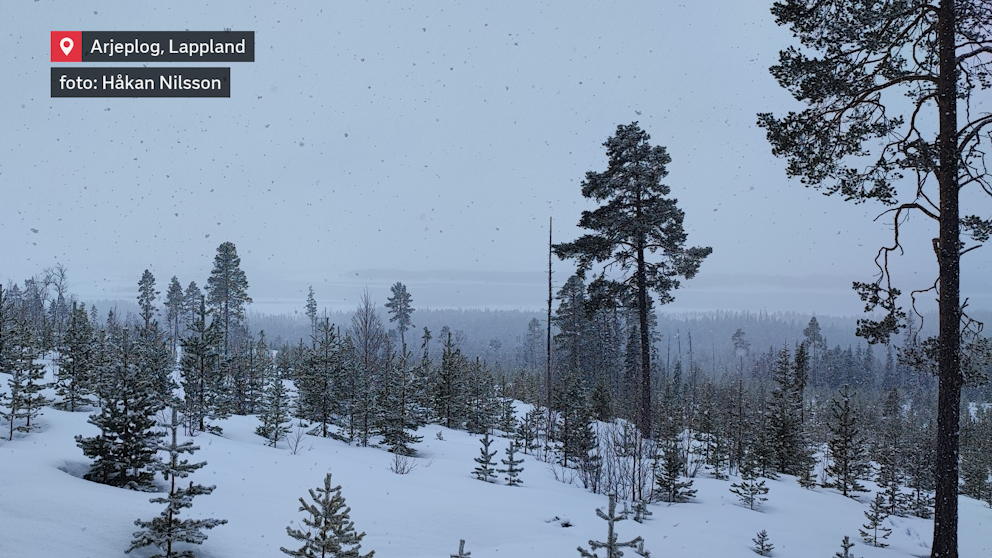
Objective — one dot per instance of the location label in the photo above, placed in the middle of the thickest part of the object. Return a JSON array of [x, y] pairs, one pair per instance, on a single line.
[[67, 46]]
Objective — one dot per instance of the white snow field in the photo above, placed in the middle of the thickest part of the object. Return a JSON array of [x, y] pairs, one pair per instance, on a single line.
[[48, 510]]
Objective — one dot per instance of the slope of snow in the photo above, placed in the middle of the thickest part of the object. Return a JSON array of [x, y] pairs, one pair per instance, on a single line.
[[48, 510]]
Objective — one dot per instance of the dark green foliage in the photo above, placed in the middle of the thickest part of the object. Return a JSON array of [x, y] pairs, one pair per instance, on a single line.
[[398, 419], [846, 446], [202, 381], [146, 297], [174, 302], [976, 456], [400, 309], [873, 533], [77, 361], [322, 380], [612, 546], [125, 449], [329, 532], [668, 484], [762, 545], [513, 468], [20, 353], [227, 291], [636, 221], [846, 544], [276, 409], [784, 411], [485, 471], [167, 529], [750, 491]]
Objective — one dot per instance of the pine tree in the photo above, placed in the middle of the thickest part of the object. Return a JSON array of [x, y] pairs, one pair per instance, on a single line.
[[668, 486], [887, 452], [918, 466], [398, 421], [227, 291], [461, 550], [191, 304], [167, 529], [312, 311], [126, 446], [21, 354], [783, 410], [641, 511], [77, 361], [400, 309], [174, 302], [846, 544], [201, 374], [750, 491], [146, 297], [484, 471], [329, 533], [846, 446], [762, 545], [513, 469], [611, 545], [276, 409], [636, 222], [876, 514]]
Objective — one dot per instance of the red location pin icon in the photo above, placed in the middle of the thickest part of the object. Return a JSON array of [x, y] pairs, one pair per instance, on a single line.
[[67, 46]]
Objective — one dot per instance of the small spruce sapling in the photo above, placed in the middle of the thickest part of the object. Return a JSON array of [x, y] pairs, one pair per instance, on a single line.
[[329, 532], [512, 469], [461, 550], [167, 528], [750, 491], [611, 545], [762, 545], [876, 514], [485, 471], [846, 544]]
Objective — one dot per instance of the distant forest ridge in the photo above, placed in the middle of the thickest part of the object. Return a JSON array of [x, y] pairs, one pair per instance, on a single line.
[[497, 336]]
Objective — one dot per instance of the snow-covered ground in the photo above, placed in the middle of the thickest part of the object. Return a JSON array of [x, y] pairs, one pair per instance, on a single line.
[[48, 510]]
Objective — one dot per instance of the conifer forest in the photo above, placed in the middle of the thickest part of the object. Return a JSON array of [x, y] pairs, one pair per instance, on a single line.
[[183, 420]]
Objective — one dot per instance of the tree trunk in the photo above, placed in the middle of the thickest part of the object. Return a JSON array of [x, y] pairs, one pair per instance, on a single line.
[[642, 311], [945, 536]]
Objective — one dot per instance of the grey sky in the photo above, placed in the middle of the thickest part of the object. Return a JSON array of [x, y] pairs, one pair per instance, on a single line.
[[425, 142]]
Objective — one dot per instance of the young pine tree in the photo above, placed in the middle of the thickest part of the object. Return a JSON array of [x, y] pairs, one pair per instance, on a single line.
[[846, 544], [484, 471], [668, 486], [329, 532], [513, 469], [276, 409], [612, 546], [846, 447], [762, 545], [876, 514], [167, 529], [77, 361], [26, 375], [750, 491], [125, 449], [461, 550]]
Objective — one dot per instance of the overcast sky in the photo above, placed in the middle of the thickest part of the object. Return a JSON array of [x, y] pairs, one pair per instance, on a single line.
[[374, 142]]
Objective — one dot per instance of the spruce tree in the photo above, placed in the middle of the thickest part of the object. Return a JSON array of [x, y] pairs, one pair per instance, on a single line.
[[846, 446], [329, 532], [200, 371], [311, 311], [750, 491], [783, 410], [26, 376], [762, 545], [513, 469], [668, 486], [398, 420], [876, 514], [484, 471], [125, 449], [846, 544], [888, 448], [612, 546], [167, 529], [276, 412], [77, 361]]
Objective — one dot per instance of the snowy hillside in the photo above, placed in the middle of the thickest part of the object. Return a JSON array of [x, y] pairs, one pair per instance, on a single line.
[[48, 510]]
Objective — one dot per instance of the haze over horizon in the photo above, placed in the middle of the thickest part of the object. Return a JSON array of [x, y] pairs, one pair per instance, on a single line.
[[410, 142]]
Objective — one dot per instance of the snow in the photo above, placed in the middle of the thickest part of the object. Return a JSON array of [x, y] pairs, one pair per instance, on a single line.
[[48, 510]]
